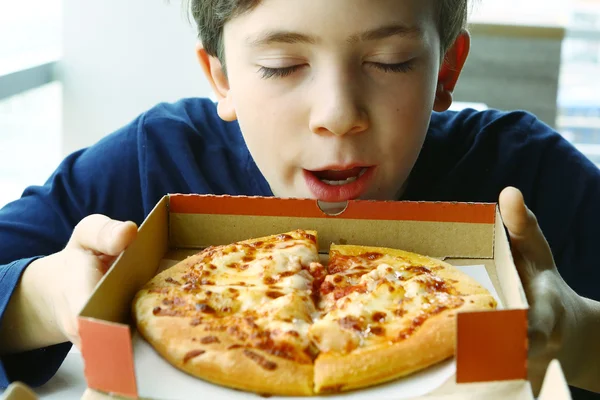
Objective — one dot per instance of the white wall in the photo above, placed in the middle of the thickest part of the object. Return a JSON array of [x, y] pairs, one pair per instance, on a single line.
[[121, 57]]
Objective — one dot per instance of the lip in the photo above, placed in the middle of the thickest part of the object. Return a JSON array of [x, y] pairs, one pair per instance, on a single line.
[[341, 167], [334, 194]]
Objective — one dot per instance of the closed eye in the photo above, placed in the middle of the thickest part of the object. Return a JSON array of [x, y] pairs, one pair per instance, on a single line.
[[400, 67], [267, 72]]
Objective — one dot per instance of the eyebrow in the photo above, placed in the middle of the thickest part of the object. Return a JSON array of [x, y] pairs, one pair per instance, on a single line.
[[288, 37], [386, 32]]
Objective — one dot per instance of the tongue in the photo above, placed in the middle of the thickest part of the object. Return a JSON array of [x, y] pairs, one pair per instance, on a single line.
[[331, 175]]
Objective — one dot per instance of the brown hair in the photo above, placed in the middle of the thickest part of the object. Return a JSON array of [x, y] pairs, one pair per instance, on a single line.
[[212, 15]]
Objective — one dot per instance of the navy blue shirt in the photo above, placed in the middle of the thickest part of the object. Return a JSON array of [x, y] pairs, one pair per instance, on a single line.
[[186, 148]]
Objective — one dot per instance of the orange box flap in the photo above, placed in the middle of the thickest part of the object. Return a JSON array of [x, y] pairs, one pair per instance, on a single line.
[[484, 350], [106, 348]]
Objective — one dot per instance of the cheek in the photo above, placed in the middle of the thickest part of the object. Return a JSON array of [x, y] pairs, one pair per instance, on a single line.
[[409, 117], [271, 130], [269, 136]]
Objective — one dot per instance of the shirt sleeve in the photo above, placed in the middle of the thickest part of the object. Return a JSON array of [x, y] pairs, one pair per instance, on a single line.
[[101, 179]]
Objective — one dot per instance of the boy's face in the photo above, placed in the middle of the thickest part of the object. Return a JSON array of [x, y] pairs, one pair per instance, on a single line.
[[333, 97]]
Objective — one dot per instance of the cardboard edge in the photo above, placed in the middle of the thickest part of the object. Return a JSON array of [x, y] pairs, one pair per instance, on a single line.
[[508, 275], [151, 222], [107, 349]]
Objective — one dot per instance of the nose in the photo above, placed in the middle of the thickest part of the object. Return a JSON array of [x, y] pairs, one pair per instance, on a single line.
[[337, 107]]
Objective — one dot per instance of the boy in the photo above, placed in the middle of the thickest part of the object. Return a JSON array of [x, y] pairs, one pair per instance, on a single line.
[[321, 99]]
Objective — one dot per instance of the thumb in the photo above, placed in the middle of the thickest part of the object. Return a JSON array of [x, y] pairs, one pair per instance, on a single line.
[[525, 234], [544, 311], [102, 235]]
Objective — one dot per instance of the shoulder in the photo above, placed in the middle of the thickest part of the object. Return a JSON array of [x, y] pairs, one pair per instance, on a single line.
[[190, 116], [473, 155], [467, 128], [496, 146], [191, 119]]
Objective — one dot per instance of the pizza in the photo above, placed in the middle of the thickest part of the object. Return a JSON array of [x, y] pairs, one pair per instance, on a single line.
[[266, 316]]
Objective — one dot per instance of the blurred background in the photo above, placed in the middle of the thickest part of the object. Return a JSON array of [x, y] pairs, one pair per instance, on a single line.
[[72, 71]]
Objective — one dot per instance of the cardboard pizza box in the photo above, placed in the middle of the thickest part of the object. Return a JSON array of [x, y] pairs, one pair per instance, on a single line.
[[491, 345], [18, 391]]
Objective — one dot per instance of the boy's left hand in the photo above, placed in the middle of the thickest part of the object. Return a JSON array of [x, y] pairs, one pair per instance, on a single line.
[[557, 315]]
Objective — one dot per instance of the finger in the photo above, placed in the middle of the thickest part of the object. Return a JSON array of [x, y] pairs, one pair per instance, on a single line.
[[525, 233], [86, 274], [102, 235]]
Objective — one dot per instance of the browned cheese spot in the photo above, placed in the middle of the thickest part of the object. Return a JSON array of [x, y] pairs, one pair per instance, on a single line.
[[209, 340], [273, 294], [399, 312], [379, 317], [260, 360], [192, 354], [310, 237], [351, 322], [205, 308], [165, 313], [378, 330], [269, 280], [372, 256]]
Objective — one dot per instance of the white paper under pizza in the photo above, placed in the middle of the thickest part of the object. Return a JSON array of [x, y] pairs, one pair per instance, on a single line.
[[159, 380]]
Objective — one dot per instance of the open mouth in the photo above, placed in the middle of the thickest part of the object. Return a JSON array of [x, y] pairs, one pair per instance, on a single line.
[[339, 178], [339, 184]]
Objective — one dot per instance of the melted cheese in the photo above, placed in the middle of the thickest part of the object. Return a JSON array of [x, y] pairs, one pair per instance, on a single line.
[[282, 265], [292, 306]]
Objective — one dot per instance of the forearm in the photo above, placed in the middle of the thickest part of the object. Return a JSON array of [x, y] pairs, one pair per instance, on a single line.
[[587, 372], [28, 322]]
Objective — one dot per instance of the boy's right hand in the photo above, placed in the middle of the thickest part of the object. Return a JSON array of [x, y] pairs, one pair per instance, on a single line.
[[54, 289]]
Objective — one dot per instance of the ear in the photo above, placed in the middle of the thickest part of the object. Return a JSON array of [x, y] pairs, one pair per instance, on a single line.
[[215, 73], [452, 66]]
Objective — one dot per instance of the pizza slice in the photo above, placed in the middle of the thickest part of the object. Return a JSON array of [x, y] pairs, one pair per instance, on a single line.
[[241, 327], [285, 260], [387, 313]]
